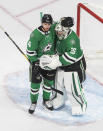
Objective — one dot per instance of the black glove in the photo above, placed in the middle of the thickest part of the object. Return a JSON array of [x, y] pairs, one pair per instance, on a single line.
[[34, 72], [35, 67]]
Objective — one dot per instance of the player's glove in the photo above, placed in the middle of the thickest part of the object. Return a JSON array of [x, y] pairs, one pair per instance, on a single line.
[[44, 61], [49, 62], [54, 62], [34, 72], [35, 67]]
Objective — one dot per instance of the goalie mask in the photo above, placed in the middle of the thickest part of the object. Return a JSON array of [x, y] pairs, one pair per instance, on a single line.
[[63, 27]]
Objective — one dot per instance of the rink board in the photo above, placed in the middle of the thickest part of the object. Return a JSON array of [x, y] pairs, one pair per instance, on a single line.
[[18, 89]]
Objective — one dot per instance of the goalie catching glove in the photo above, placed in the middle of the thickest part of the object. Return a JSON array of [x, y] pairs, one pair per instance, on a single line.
[[49, 62]]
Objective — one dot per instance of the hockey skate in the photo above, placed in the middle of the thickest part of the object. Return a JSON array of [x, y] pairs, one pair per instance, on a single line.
[[48, 104], [32, 108]]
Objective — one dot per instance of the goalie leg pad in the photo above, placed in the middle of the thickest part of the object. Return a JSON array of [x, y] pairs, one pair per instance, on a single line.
[[76, 95], [59, 100]]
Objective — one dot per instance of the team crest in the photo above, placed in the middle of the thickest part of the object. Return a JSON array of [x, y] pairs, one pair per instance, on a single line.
[[47, 48]]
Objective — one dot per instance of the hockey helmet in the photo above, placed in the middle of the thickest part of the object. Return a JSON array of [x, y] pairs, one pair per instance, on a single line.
[[47, 18], [64, 27], [67, 21]]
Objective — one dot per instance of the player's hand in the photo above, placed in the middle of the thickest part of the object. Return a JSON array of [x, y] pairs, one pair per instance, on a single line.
[[44, 61]]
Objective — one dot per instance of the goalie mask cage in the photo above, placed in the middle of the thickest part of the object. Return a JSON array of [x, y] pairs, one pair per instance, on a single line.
[[90, 29]]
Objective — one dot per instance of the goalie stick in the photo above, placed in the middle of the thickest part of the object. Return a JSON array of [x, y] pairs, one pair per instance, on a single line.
[[58, 91]]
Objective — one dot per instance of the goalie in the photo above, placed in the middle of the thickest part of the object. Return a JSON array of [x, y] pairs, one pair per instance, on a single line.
[[71, 66]]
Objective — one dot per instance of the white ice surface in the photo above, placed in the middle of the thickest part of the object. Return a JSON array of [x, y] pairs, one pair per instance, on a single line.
[[13, 118], [18, 89]]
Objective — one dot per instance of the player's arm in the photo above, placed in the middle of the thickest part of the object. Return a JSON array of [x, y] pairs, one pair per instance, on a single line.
[[32, 46], [72, 54]]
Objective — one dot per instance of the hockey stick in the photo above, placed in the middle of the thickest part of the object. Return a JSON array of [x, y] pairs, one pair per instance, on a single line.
[[41, 15], [15, 44], [58, 91]]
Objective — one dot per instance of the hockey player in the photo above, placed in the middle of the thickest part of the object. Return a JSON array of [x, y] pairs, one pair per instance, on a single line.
[[41, 42], [72, 66]]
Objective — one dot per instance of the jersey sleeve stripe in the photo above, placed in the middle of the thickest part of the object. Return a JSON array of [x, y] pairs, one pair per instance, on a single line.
[[67, 60], [31, 53], [80, 57], [70, 57]]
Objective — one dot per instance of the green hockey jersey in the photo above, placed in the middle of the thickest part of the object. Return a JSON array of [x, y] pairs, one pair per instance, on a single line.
[[41, 43], [69, 49]]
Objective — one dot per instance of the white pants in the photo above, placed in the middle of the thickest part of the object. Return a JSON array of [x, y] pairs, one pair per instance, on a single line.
[[70, 81]]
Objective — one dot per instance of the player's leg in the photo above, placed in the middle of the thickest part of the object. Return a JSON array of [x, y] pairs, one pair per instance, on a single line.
[[76, 95], [34, 96], [59, 100], [82, 70], [35, 79], [48, 82], [47, 93]]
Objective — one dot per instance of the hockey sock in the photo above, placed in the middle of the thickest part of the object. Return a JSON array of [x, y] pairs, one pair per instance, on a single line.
[[47, 89], [34, 92]]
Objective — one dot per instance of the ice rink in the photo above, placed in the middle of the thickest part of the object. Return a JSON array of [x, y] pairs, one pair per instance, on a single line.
[[19, 18]]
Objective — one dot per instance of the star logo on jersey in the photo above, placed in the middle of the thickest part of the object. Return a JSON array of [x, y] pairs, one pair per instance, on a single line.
[[47, 48]]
